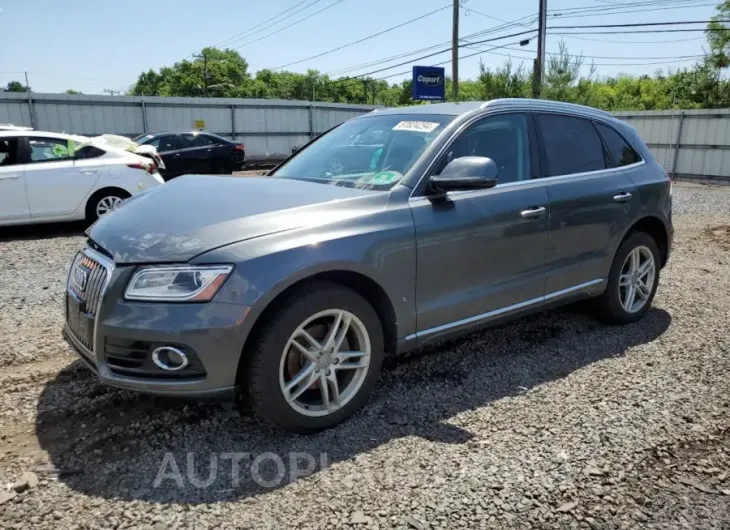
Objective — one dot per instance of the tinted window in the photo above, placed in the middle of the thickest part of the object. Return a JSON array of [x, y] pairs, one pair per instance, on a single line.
[[49, 150], [502, 138], [88, 152], [198, 140], [571, 145], [8, 151], [622, 153], [163, 143]]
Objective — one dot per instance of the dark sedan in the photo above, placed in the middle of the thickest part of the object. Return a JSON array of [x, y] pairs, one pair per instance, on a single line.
[[195, 152]]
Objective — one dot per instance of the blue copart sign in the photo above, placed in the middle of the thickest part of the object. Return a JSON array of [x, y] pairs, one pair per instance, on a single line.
[[428, 83]]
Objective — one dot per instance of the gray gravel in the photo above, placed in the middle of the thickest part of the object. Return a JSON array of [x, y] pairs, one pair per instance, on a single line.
[[554, 421]]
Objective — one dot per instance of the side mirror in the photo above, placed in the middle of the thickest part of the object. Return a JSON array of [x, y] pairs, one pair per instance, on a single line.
[[294, 149], [466, 173]]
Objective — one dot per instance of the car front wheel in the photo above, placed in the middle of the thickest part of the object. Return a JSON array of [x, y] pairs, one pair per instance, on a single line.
[[633, 280], [317, 359]]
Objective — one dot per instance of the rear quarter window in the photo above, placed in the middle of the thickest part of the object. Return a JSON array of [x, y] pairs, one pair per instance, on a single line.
[[622, 154], [570, 145]]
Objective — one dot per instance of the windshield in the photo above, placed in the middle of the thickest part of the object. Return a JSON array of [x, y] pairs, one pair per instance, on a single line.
[[142, 138], [373, 152]]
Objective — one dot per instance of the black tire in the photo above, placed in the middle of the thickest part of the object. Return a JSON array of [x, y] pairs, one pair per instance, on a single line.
[[608, 305], [262, 374], [98, 198]]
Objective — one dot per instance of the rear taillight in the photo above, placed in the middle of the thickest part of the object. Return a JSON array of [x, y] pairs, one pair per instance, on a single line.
[[150, 167], [238, 147]]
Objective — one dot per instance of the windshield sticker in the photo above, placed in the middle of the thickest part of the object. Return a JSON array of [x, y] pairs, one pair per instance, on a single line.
[[416, 126], [386, 177]]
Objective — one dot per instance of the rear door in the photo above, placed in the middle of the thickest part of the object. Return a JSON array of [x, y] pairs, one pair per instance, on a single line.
[[13, 200], [55, 185], [591, 203], [199, 153]]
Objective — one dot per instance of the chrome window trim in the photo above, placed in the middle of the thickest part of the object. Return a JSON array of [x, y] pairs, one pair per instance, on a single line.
[[496, 312], [487, 112], [537, 181]]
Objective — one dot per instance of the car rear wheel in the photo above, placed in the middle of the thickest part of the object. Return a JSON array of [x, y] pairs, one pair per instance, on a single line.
[[103, 202], [633, 280], [317, 359]]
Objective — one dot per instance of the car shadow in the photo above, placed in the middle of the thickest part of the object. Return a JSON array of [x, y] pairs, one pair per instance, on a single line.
[[119, 445], [42, 231]]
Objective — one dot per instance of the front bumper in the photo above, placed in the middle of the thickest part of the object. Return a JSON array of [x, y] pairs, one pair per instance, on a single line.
[[119, 337]]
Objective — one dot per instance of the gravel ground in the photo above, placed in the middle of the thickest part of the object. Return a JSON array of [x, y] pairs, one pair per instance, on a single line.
[[554, 421]]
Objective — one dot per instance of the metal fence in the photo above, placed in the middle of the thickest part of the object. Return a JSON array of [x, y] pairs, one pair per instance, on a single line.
[[690, 144], [269, 128]]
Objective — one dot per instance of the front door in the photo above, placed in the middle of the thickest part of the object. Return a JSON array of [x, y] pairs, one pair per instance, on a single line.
[[13, 200], [481, 254], [592, 203]]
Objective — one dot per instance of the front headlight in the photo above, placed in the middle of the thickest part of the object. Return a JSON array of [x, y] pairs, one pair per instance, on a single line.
[[180, 283]]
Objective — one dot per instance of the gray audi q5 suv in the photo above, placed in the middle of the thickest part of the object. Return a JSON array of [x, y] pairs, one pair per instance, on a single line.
[[394, 229]]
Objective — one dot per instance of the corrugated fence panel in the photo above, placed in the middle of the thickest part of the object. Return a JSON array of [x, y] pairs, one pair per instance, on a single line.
[[271, 128]]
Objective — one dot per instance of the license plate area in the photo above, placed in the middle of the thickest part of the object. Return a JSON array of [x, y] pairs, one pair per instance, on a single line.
[[79, 323]]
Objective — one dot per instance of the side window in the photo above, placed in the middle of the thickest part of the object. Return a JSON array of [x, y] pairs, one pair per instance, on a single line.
[[8, 152], [49, 150], [621, 152], [571, 145], [503, 138], [163, 143], [88, 152], [197, 140]]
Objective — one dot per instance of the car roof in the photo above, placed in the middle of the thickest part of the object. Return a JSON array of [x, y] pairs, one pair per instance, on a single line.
[[465, 107], [35, 134], [158, 133]]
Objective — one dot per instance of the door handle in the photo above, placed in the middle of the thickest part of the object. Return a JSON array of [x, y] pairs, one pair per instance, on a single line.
[[621, 197], [9, 177], [533, 212], [88, 171]]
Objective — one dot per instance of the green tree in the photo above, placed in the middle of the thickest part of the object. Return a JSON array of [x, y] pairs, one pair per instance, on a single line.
[[15, 86], [73, 92]]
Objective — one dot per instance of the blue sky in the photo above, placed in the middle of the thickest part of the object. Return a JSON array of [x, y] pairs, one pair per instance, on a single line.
[[90, 45]]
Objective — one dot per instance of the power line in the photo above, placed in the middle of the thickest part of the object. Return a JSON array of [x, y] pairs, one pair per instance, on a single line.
[[364, 38], [290, 25], [247, 33], [684, 30], [442, 51], [633, 41], [638, 24], [376, 62]]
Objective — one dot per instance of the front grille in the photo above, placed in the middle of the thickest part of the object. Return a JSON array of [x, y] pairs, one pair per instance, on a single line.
[[87, 280], [89, 289]]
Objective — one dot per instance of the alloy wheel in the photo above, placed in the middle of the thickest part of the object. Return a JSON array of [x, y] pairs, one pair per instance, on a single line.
[[636, 280], [107, 204], [324, 363]]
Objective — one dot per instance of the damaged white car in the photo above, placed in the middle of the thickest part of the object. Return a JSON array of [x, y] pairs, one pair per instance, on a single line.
[[49, 177]]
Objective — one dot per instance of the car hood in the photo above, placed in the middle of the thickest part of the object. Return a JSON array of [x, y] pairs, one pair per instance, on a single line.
[[193, 214]]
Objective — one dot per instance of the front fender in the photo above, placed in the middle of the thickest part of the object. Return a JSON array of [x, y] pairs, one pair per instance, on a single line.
[[379, 246]]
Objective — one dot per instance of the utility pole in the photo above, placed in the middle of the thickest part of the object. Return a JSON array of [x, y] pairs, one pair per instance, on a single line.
[[30, 102], [455, 51], [205, 71], [539, 67]]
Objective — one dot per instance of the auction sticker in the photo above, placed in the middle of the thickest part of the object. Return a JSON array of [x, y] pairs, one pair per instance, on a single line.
[[417, 126]]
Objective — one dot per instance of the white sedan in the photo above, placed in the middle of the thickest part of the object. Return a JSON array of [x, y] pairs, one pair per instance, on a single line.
[[48, 177]]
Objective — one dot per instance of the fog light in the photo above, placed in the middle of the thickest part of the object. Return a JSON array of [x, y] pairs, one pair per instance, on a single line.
[[169, 358]]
